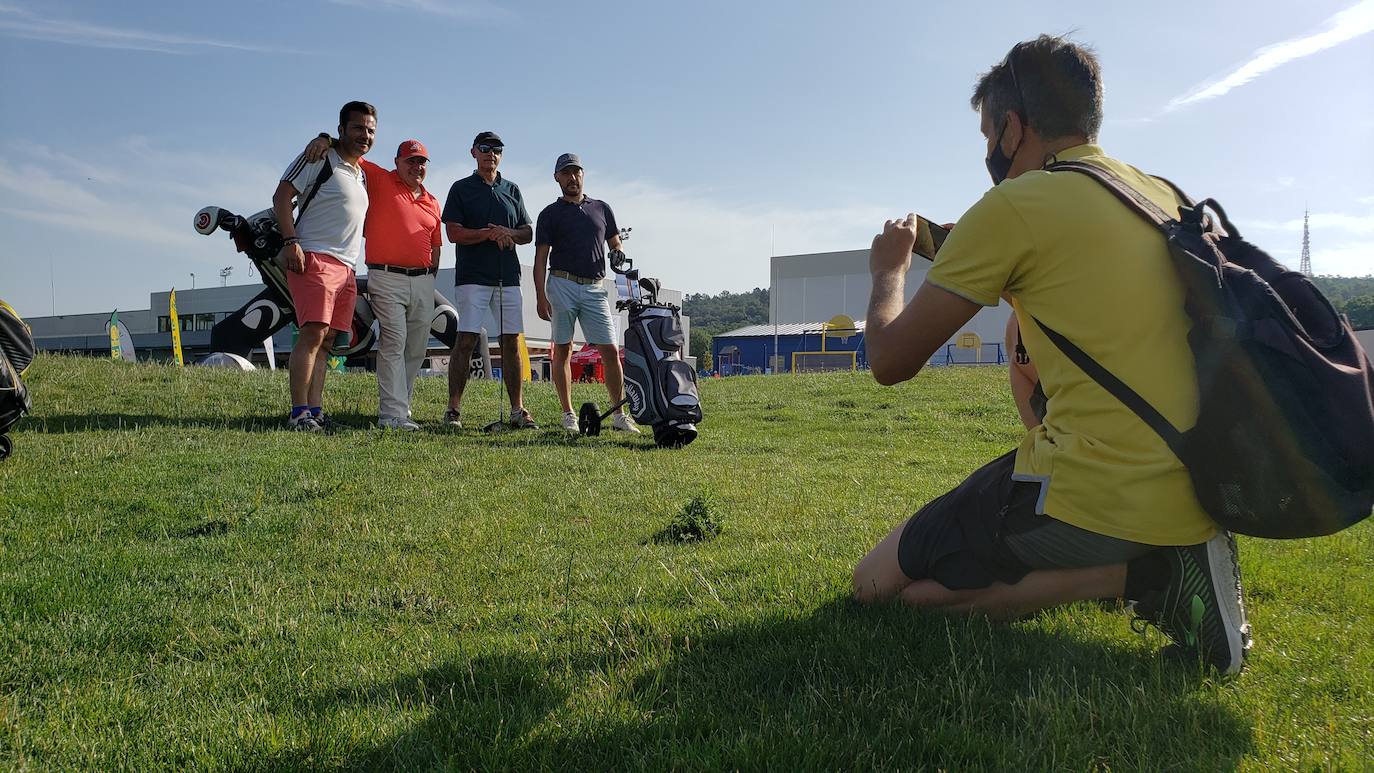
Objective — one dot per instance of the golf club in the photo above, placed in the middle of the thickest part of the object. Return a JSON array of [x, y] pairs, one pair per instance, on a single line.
[[500, 424]]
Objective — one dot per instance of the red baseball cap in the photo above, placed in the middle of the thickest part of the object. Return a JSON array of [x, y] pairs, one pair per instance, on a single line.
[[411, 148]]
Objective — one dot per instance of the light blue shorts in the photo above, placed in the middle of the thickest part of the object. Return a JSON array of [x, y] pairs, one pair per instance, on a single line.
[[579, 303]]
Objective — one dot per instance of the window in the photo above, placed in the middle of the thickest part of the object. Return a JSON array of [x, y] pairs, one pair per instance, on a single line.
[[164, 324]]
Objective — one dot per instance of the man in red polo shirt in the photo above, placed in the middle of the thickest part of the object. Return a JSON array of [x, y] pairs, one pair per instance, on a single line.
[[403, 235]]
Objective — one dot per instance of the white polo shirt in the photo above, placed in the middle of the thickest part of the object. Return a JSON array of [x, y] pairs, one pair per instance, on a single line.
[[333, 222]]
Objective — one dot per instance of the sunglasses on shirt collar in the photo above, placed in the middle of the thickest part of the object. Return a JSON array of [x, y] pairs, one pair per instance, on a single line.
[[485, 148]]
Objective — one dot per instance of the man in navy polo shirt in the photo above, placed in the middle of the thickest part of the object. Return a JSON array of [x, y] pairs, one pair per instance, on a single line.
[[485, 218], [571, 237]]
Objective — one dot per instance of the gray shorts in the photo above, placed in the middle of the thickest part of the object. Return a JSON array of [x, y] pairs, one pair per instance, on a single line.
[[986, 530], [579, 303]]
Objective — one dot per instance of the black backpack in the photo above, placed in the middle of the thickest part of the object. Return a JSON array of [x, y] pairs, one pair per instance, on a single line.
[[1284, 442]]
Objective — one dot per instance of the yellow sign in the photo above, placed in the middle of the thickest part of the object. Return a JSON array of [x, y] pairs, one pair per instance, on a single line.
[[176, 328], [524, 357]]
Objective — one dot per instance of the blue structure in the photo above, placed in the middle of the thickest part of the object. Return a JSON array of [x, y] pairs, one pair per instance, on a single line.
[[751, 349]]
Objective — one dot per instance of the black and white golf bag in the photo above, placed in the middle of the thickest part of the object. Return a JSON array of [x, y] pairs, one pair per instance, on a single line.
[[660, 386], [16, 352], [270, 310]]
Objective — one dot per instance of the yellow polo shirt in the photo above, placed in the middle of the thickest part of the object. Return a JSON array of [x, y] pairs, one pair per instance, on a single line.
[[1069, 253]]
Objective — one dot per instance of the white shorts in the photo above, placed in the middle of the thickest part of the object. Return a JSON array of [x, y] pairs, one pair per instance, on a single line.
[[490, 307]]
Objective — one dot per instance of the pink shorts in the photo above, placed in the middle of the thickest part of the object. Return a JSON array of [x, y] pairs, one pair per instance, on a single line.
[[326, 292]]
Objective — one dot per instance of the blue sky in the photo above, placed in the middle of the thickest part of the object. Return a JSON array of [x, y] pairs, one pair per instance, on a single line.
[[722, 133]]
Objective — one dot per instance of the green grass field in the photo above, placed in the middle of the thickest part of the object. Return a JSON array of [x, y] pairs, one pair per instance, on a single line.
[[184, 586]]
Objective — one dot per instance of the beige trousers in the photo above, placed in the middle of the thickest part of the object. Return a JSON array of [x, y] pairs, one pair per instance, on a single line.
[[404, 307]]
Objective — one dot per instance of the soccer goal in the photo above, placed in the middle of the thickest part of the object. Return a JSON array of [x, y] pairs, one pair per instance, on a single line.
[[814, 362]]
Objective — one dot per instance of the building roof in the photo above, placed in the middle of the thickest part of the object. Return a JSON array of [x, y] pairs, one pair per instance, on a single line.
[[790, 329]]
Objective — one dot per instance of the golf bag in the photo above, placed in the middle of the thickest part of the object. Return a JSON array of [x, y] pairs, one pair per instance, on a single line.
[[660, 387], [16, 352], [270, 310]]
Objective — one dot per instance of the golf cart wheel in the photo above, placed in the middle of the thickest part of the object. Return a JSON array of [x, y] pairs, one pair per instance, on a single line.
[[589, 420], [5, 447]]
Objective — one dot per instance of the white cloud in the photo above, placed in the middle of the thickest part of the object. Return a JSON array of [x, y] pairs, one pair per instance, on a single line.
[[1346, 25], [464, 9], [1354, 258], [1356, 224], [22, 23]]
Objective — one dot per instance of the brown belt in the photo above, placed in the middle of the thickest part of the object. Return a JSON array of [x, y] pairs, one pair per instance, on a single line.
[[401, 269], [582, 280]]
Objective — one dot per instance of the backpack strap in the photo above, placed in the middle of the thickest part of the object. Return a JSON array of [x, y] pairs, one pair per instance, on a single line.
[[1117, 388], [1129, 196], [325, 171]]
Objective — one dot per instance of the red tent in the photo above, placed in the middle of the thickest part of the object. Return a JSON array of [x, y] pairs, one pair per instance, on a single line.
[[586, 364]]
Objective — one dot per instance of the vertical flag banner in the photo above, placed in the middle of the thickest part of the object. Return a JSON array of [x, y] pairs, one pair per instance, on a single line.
[[524, 350], [176, 328], [126, 343], [113, 325]]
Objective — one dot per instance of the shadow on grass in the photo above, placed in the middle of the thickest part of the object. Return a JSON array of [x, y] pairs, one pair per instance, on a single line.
[[339, 423], [843, 688]]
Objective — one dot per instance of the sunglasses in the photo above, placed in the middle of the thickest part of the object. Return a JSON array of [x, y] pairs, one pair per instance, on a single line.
[[485, 148]]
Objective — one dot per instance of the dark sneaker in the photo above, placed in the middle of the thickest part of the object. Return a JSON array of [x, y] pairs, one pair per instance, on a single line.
[[451, 419], [304, 423], [1202, 608], [522, 420]]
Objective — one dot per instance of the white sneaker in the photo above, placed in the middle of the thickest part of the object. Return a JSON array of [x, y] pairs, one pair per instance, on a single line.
[[570, 422], [622, 423], [397, 422]]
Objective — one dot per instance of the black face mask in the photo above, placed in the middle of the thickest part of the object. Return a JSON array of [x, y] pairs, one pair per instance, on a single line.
[[999, 164]]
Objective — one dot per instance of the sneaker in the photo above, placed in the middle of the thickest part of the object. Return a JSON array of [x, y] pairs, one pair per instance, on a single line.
[[570, 422], [304, 423], [1202, 608], [622, 423], [522, 419], [397, 422], [451, 419]]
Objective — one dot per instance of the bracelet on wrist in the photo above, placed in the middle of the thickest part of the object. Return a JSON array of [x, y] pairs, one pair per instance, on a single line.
[[290, 240]]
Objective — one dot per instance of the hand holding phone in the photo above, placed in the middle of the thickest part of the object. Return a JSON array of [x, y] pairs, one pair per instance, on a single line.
[[929, 238]]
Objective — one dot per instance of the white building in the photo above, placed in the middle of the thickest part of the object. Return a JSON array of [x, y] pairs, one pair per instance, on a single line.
[[809, 290]]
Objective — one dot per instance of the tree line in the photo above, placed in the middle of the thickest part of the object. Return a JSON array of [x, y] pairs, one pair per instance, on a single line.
[[712, 315], [1352, 296], [720, 313]]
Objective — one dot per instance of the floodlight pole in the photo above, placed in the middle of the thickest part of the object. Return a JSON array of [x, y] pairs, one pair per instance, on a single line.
[[773, 301]]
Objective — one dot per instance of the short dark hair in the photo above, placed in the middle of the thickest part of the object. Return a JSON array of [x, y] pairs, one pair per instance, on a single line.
[[355, 107], [1054, 84]]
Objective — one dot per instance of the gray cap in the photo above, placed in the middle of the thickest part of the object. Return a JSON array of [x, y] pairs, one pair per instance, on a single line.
[[566, 160]]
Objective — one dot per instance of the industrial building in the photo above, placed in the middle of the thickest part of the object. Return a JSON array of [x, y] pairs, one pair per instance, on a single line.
[[819, 301]]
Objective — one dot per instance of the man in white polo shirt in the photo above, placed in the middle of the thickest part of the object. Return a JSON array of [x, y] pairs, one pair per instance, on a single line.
[[321, 250]]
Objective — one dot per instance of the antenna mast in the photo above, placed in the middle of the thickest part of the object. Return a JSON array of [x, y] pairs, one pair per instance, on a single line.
[[1306, 265]]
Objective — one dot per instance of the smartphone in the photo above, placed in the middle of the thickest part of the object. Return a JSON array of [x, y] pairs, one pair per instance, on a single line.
[[929, 238]]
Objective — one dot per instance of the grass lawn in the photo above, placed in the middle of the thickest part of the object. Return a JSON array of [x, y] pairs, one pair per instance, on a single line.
[[184, 586]]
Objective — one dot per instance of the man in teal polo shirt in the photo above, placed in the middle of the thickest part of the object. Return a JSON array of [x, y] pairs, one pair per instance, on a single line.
[[485, 218]]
